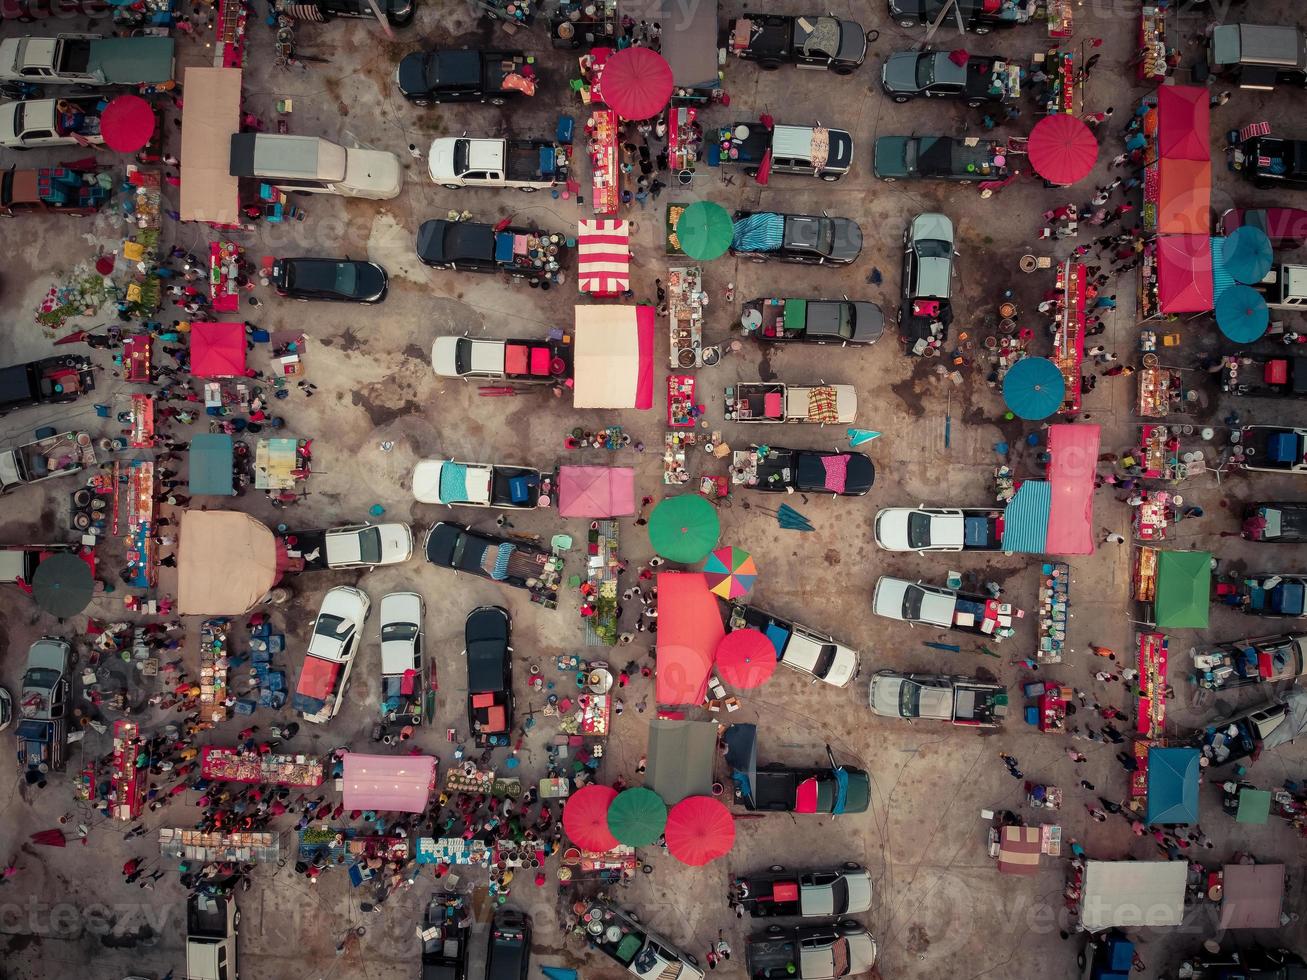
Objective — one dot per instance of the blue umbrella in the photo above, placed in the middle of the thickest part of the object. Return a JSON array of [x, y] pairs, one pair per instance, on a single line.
[[1246, 254], [1033, 388], [1241, 314]]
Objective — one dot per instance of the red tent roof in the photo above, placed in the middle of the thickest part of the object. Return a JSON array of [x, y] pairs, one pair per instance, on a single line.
[[1184, 123], [689, 629], [1184, 273], [699, 828], [217, 349], [1184, 194], [585, 817], [1073, 452]]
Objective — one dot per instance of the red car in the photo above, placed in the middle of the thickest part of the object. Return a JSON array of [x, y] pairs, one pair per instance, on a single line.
[[1285, 227]]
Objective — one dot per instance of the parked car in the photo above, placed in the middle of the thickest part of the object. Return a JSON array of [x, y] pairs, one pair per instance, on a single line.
[[809, 41], [928, 605], [803, 238], [1285, 227], [639, 950], [50, 190], [938, 697], [1245, 734], [32, 123], [43, 702], [1281, 522], [528, 165], [340, 280], [87, 60], [808, 894], [776, 403], [1281, 594], [312, 165], [61, 454], [493, 557], [1274, 449], [1259, 56], [18, 563], [807, 151], [821, 952], [443, 481], [1271, 161], [976, 16], [801, 648], [509, 955], [937, 158], [486, 359], [489, 674], [781, 470], [1276, 377], [461, 75], [978, 81], [817, 321], [356, 545], [793, 789], [1257, 660], [329, 658], [398, 13], [468, 246], [923, 529], [926, 284], [445, 933], [405, 686], [49, 381], [211, 927]]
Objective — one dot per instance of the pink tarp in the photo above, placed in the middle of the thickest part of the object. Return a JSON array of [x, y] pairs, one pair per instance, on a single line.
[[689, 629], [1184, 122], [388, 782], [217, 349], [1074, 452], [596, 491], [1184, 273]]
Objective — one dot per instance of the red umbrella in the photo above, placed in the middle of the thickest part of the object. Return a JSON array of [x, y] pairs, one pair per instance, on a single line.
[[585, 818], [636, 83], [127, 123], [50, 838], [1062, 149], [699, 829], [745, 658]]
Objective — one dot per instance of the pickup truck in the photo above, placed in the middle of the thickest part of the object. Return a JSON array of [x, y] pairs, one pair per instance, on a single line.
[[816, 654], [445, 931], [639, 950], [821, 952], [1284, 287], [50, 381], [528, 165], [1270, 161], [39, 122], [930, 605], [1277, 377], [330, 656], [1285, 227], [938, 697], [808, 894], [18, 563], [1243, 663], [459, 75], [938, 158], [1275, 522], [468, 246], [211, 928], [923, 529], [51, 190], [774, 402], [406, 689], [775, 469], [978, 81], [1278, 595], [977, 16], [88, 60], [817, 321], [485, 359], [808, 41], [803, 238], [1274, 448], [1246, 734], [356, 546], [443, 481], [42, 731], [489, 657], [812, 151], [489, 556], [44, 459]]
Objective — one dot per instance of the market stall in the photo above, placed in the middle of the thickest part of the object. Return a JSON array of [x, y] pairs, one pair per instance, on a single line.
[[1054, 611], [235, 765], [684, 141], [1069, 330], [142, 425], [214, 663], [203, 847], [224, 269], [451, 851], [1173, 777], [126, 771], [596, 491], [583, 23], [280, 463], [681, 758], [1153, 515], [1184, 274], [1061, 18], [1252, 896], [1150, 717], [211, 115], [603, 132], [689, 631], [1151, 63], [1059, 91], [140, 522], [686, 300], [683, 408], [209, 470], [603, 257], [1132, 893], [1178, 178], [1173, 587], [1055, 516], [218, 350], [137, 359], [230, 33], [1018, 850], [1161, 392], [675, 456], [226, 562], [613, 359], [143, 208], [689, 43], [387, 782]]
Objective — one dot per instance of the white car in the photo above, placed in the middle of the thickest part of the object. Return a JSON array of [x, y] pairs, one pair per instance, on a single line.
[[39, 122], [403, 674], [924, 529], [366, 545], [440, 481], [330, 655], [914, 602]]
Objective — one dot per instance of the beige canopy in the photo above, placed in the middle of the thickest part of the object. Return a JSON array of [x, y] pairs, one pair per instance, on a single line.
[[226, 561], [211, 114], [613, 357]]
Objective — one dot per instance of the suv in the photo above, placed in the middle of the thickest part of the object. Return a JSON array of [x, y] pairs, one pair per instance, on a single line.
[[804, 238], [312, 165], [337, 280], [927, 259], [1259, 56], [509, 955]]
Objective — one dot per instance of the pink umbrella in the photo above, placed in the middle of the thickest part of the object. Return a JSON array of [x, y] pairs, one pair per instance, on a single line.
[[1062, 149], [745, 658], [127, 123], [636, 83], [699, 829]]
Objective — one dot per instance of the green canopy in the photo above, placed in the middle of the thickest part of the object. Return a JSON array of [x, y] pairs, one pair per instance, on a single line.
[[211, 465], [1184, 589], [684, 529], [704, 230], [637, 816], [1254, 806]]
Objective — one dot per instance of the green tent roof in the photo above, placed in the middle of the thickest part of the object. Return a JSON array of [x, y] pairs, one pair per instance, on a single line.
[[211, 465], [1254, 806], [1184, 589]]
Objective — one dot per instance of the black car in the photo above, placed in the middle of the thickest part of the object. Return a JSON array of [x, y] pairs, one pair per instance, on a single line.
[[782, 470], [812, 41], [468, 246], [399, 13], [1270, 161], [489, 675], [1249, 963], [509, 955], [803, 238], [338, 280], [446, 928], [49, 381], [977, 16], [456, 547], [1275, 522], [459, 75]]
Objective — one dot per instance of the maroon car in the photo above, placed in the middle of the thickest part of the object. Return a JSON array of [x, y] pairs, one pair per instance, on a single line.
[[1285, 227]]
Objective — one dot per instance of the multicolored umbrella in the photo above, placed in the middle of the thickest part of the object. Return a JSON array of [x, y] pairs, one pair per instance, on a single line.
[[730, 572], [636, 83], [127, 123], [1062, 149], [684, 529], [1241, 313], [585, 818], [1033, 388], [699, 829], [1246, 254], [745, 658], [637, 816], [704, 230]]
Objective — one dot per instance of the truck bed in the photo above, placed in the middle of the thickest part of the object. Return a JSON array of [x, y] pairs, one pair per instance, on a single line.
[[529, 160], [771, 956], [978, 703], [497, 66], [768, 34], [773, 788], [988, 78]]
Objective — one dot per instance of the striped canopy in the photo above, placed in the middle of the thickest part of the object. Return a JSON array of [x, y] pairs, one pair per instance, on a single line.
[[603, 250]]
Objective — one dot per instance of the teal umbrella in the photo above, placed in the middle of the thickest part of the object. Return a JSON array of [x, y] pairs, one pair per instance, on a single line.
[[1242, 314], [1033, 388], [1246, 254], [704, 230]]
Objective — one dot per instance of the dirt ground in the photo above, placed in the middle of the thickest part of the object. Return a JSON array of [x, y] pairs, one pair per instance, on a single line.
[[941, 909]]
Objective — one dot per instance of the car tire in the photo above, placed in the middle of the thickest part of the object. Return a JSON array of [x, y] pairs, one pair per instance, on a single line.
[[777, 869], [236, 919], [905, 22], [975, 103], [830, 178], [900, 99], [1261, 185], [774, 930], [964, 183], [980, 30], [1080, 959], [453, 187], [843, 70], [769, 65], [421, 103], [852, 866], [692, 958], [496, 102], [528, 190], [849, 927], [888, 180], [751, 173]]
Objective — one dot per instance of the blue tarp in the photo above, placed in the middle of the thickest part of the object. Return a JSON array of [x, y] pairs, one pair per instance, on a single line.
[[500, 572], [1221, 280], [453, 483], [1288, 599], [1025, 519], [504, 247], [1282, 447], [761, 232], [211, 465], [1173, 775]]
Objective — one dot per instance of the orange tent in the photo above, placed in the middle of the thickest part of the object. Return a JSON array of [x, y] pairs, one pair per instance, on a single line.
[[1184, 197], [689, 629]]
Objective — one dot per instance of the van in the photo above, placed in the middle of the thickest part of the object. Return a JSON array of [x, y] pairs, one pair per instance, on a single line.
[[1259, 56], [313, 165], [211, 923]]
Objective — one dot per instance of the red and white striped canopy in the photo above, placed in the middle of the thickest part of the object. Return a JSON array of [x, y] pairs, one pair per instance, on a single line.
[[603, 251]]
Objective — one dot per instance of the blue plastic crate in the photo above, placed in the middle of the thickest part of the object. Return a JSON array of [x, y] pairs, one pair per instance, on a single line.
[[244, 706]]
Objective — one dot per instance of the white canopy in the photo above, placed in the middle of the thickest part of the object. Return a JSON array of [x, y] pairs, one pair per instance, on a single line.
[[210, 116], [613, 357], [1133, 893]]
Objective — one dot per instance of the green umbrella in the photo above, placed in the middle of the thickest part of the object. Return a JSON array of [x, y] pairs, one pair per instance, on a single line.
[[637, 816], [704, 230], [63, 585], [684, 528]]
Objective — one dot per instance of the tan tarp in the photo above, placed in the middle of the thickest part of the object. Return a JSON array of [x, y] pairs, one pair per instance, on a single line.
[[211, 113], [226, 561], [606, 357]]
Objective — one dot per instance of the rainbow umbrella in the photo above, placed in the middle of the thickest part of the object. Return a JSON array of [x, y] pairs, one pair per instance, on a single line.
[[730, 572]]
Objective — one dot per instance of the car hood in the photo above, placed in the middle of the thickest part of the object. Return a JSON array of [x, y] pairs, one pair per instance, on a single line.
[[412, 74], [860, 474], [443, 363], [934, 226], [440, 159], [372, 281], [853, 42], [842, 668], [848, 240], [859, 884], [868, 323], [862, 953], [373, 174], [885, 695], [888, 598], [900, 72], [396, 542], [891, 528]]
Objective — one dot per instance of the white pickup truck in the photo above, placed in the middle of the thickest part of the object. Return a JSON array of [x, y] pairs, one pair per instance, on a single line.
[[87, 59], [772, 401], [937, 697], [528, 165], [800, 648], [50, 122], [57, 455], [486, 359], [930, 605]]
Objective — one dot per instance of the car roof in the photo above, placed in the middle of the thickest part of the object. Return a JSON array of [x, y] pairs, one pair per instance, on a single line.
[[934, 226]]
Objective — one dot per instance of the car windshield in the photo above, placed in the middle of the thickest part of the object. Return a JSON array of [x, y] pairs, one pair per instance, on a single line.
[[463, 356], [909, 699], [825, 658], [370, 545], [332, 626], [933, 248], [918, 530], [42, 677], [20, 118], [925, 71], [398, 631], [461, 150], [825, 236], [347, 278], [912, 597], [845, 325], [840, 895]]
